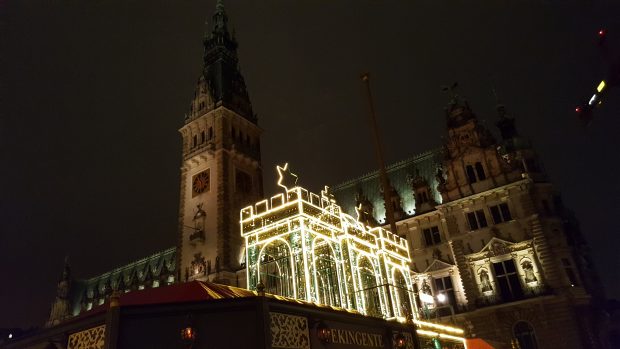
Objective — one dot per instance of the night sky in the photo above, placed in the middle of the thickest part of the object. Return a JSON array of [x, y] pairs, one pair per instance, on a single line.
[[93, 93]]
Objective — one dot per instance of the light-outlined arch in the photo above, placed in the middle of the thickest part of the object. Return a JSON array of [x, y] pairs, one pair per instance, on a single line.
[[326, 271], [369, 286], [403, 291], [276, 269]]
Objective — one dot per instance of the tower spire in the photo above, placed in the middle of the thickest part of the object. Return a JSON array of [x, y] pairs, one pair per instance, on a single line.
[[220, 19]]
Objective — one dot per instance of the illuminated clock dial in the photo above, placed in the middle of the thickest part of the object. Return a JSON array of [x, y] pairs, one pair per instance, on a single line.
[[200, 183]]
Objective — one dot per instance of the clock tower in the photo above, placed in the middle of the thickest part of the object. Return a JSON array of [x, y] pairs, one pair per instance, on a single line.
[[221, 171]]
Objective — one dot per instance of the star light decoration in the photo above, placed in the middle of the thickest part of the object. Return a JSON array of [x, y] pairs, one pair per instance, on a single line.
[[287, 179], [327, 195]]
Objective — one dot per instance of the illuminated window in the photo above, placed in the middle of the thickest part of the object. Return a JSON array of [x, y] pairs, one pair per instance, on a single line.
[[369, 288], [326, 272], [432, 236], [275, 269], [443, 285], [524, 333], [477, 219], [508, 280], [500, 213]]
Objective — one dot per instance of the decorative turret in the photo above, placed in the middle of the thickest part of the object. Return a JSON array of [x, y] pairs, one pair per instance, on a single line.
[[396, 203], [61, 307], [506, 123], [365, 209], [424, 200], [458, 112], [516, 151], [464, 131]]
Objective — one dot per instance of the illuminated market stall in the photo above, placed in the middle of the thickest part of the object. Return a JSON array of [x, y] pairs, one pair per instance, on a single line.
[[301, 245]]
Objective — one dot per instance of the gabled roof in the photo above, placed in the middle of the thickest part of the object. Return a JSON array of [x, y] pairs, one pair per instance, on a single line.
[[132, 274], [438, 265]]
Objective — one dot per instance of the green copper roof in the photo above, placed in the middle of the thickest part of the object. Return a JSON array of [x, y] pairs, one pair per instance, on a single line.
[[425, 164], [154, 267]]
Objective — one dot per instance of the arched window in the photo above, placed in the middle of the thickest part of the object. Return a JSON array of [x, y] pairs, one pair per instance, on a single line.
[[524, 334], [210, 133], [471, 175], [403, 293], [369, 288], [325, 267], [275, 269], [480, 171]]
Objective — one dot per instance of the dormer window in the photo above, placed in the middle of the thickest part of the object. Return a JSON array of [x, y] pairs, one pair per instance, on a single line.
[[422, 196], [480, 171], [471, 175]]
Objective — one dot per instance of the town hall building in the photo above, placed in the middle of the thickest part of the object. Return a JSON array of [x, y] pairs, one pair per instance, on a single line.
[[483, 241]]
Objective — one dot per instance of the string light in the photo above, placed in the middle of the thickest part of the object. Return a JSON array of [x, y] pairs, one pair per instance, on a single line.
[[317, 253], [311, 232]]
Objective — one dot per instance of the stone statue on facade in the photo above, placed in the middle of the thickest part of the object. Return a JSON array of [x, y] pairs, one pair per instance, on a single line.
[[485, 282]]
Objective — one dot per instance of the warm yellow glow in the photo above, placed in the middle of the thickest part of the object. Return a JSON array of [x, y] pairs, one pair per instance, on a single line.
[[319, 254], [301, 245], [439, 335], [283, 172], [438, 326], [601, 86]]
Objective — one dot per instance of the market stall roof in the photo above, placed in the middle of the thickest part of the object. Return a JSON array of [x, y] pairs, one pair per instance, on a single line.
[[184, 292], [193, 291], [477, 343]]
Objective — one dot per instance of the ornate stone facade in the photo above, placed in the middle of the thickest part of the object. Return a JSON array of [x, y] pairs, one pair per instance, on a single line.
[[497, 252]]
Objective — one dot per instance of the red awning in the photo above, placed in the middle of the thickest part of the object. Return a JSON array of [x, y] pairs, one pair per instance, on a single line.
[[477, 343], [183, 292]]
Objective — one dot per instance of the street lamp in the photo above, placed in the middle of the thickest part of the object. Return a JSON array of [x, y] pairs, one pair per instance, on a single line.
[[441, 298]]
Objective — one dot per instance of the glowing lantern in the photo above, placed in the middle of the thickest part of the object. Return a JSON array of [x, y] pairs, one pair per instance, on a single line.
[[188, 334]]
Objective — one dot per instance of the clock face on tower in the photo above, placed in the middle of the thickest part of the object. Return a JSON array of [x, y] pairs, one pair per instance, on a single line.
[[200, 183]]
